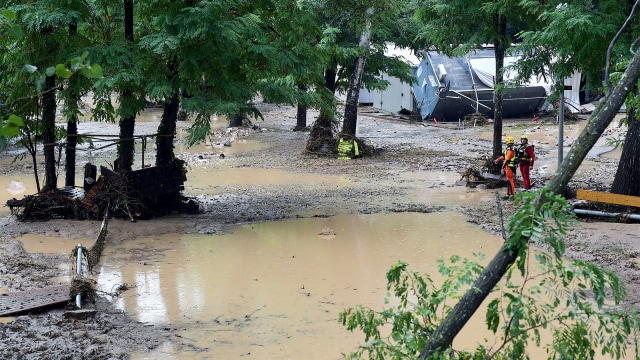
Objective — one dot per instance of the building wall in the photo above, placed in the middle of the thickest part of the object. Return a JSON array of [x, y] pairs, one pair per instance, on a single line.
[[394, 98]]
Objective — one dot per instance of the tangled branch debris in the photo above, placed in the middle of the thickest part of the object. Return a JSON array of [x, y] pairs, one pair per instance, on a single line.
[[475, 119], [141, 194], [86, 287], [473, 177]]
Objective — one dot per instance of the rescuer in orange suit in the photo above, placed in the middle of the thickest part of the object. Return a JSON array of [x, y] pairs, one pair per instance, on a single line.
[[508, 159], [527, 157]]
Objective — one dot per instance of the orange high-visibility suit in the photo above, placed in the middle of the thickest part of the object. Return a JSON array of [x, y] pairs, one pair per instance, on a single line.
[[509, 168]]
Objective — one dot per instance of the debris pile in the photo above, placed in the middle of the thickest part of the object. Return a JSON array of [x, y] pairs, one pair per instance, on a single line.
[[140, 194], [475, 119]]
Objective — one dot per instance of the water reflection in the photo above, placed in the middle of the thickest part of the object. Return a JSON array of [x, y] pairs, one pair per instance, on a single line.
[[207, 179], [9, 186], [438, 188], [274, 289], [41, 244]]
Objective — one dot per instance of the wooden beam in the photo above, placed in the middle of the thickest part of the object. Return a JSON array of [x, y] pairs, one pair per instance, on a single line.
[[604, 197], [21, 301]]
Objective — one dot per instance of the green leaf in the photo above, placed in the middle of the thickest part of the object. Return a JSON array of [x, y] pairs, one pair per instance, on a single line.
[[12, 126], [8, 14], [15, 32], [30, 68], [51, 71], [96, 71], [63, 72], [493, 315]]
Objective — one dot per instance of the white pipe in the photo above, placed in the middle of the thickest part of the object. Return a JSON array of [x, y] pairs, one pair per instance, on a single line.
[[606, 214], [79, 272]]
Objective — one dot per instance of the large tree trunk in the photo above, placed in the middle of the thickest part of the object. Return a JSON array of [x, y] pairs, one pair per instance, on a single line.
[[49, 132], [353, 94], [126, 145], [626, 179], [166, 131], [500, 47], [443, 336]]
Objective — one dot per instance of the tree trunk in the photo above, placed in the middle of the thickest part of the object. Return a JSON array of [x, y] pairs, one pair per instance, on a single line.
[[626, 179], [72, 138], [301, 118], [443, 336], [500, 47], [353, 94], [166, 131], [321, 134], [236, 120], [128, 20], [126, 145], [49, 133], [330, 75], [70, 151], [72, 125], [301, 113], [32, 148]]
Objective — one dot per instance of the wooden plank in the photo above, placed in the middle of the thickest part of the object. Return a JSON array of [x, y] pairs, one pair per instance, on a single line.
[[608, 198], [21, 301]]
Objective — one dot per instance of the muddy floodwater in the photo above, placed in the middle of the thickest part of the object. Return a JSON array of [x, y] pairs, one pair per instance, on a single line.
[[274, 290]]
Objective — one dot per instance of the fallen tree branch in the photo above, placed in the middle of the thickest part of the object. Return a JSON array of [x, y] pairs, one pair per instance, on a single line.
[[443, 336]]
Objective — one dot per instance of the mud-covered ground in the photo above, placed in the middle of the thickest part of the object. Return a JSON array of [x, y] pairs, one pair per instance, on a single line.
[[375, 185]]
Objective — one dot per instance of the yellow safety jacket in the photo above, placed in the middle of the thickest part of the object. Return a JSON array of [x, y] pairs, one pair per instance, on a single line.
[[347, 149], [513, 161]]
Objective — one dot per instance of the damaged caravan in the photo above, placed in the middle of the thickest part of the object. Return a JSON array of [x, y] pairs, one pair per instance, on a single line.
[[449, 88]]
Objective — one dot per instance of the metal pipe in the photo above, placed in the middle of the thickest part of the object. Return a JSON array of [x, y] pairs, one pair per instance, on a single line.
[[470, 99], [606, 214], [473, 84], [79, 273]]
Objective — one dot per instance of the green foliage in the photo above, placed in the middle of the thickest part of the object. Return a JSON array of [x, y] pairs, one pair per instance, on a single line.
[[420, 307], [456, 27], [573, 302], [7, 25], [22, 64], [548, 51], [546, 226], [11, 126]]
